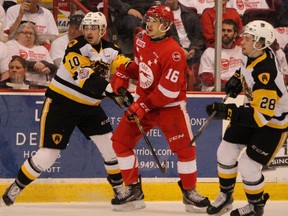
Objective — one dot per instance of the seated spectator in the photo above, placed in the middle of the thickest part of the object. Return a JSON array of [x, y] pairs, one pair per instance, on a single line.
[[41, 68], [281, 35], [2, 22], [46, 27], [127, 15], [93, 5], [8, 3], [188, 32], [4, 61], [17, 73], [59, 45], [242, 6], [230, 58], [200, 6], [208, 20], [283, 14]]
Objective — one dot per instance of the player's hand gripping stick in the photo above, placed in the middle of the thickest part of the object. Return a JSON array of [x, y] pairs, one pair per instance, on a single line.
[[202, 128]]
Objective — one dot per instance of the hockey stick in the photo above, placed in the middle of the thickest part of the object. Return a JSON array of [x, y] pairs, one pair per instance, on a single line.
[[202, 128], [163, 168]]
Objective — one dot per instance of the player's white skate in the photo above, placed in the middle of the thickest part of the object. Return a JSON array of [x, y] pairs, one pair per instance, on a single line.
[[10, 195], [194, 202], [256, 209], [221, 205], [129, 198]]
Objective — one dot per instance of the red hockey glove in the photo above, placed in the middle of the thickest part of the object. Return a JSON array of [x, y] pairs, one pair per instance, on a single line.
[[138, 108], [120, 79]]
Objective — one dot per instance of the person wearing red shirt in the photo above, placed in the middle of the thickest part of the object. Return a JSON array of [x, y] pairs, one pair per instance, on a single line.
[[208, 20]]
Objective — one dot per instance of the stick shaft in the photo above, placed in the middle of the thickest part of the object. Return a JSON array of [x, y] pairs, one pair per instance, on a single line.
[[202, 128]]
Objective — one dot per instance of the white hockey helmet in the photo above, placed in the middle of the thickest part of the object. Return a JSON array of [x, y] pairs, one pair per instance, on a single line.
[[262, 31], [95, 18]]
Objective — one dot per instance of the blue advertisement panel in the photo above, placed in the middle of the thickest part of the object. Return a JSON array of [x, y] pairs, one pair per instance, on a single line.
[[19, 134]]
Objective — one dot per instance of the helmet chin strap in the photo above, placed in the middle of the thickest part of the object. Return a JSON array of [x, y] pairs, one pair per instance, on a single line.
[[255, 50], [159, 34]]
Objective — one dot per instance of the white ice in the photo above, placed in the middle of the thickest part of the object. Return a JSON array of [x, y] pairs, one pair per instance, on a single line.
[[272, 208]]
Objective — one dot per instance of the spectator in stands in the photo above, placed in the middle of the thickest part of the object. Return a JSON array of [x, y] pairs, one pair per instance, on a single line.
[[8, 3], [242, 6], [31, 10], [59, 45], [17, 73], [208, 20], [41, 68], [2, 21], [4, 61], [93, 5], [188, 32], [127, 15], [283, 14], [199, 5], [230, 58]]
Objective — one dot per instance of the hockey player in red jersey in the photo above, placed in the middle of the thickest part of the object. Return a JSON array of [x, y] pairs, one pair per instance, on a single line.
[[257, 129], [160, 100]]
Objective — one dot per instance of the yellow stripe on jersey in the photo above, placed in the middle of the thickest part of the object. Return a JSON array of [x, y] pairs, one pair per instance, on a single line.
[[45, 111], [254, 63], [73, 96], [280, 144]]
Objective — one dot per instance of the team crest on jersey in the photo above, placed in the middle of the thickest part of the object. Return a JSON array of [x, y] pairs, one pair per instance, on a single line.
[[57, 138], [84, 73], [145, 75], [72, 43], [140, 43], [264, 78], [176, 56]]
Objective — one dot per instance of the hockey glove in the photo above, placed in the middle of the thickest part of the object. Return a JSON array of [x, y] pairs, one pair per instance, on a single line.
[[120, 79], [123, 100], [223, 111], [101, 68], [138, 108], [233, 86]]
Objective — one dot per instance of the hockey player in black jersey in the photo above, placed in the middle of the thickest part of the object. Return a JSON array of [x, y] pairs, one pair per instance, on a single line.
[[258, 128], [73, 99]]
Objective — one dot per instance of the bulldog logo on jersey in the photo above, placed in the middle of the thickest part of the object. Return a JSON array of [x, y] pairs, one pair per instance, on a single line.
[[57, 138], [264, 78], [72, 43], [176, 56], [146, 77]]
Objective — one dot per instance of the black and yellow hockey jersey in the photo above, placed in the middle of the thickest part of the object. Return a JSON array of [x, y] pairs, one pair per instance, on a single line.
[[265, 91], [77, 79]]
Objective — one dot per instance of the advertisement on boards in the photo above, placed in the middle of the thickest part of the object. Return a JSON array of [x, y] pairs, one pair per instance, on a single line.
[[19, 134]]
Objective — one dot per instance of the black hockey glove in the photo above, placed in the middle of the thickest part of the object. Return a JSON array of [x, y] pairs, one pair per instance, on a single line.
[[123, 100], [101, 68], [223, 111], [128, 98], [233, 86]]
